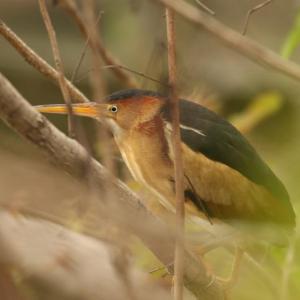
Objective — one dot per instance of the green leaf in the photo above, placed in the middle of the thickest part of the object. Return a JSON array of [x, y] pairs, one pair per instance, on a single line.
[[261, 107], [293, 39]]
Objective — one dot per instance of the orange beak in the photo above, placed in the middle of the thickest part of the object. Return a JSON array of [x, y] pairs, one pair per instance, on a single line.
[[91, 109]]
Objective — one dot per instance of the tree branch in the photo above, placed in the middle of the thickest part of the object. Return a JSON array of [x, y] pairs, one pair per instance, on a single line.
[[178, 168], [68, 264], [233, 39], [70, 156]]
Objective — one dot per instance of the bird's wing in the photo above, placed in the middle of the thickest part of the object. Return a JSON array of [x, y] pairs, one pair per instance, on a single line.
[[205, 133]]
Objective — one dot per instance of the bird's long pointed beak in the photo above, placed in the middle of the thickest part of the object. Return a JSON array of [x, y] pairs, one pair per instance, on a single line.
[[91, 109]]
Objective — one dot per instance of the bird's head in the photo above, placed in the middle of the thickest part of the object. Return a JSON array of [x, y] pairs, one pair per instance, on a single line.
[[123, 110]]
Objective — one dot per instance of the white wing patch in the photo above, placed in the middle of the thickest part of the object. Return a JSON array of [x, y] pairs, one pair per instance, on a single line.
[[184, 127], [192, 129]]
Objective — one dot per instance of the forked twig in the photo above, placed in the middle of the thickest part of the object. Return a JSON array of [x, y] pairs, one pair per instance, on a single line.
[[252, 11], [58, 64], [178, 166]]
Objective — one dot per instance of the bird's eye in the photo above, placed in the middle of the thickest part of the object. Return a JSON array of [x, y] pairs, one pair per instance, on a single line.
[[113, 108]]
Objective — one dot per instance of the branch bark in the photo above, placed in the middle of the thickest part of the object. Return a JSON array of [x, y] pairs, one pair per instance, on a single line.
[[69, 265], [233, 39], [178, 168], [70, 156]]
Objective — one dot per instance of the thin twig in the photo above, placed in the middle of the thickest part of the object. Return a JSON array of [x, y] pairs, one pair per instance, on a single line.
[[37, 62], [83, 53], [205, 8], [72, 9], [251, 11], [141, 74], [93, 38], [178, 167], [154, 62], [58, 65], [81, 58], [234, 40], [137, 73]]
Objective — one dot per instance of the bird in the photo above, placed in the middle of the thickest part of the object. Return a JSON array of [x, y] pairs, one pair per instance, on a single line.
[[225, 179]]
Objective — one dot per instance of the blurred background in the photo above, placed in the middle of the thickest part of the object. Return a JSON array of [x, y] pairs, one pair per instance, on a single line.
[[264, 104]]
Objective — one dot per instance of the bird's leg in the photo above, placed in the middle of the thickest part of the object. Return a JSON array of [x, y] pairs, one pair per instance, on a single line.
[[229, 282]]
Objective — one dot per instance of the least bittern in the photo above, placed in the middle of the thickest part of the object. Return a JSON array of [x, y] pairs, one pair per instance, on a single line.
[[225, 178]]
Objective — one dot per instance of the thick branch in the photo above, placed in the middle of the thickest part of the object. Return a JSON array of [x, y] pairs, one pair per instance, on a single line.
[[71, 157], [69, 264], [233, 39]]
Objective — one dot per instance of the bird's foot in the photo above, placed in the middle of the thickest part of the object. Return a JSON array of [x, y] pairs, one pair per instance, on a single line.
[[230, 282]]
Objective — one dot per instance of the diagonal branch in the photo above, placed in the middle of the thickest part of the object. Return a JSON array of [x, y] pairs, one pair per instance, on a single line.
[[65, 262], [233, 39], [71, 157]]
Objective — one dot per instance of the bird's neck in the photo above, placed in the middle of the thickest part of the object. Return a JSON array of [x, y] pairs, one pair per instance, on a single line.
[[145, 152], [151, 127], [146, 135]]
